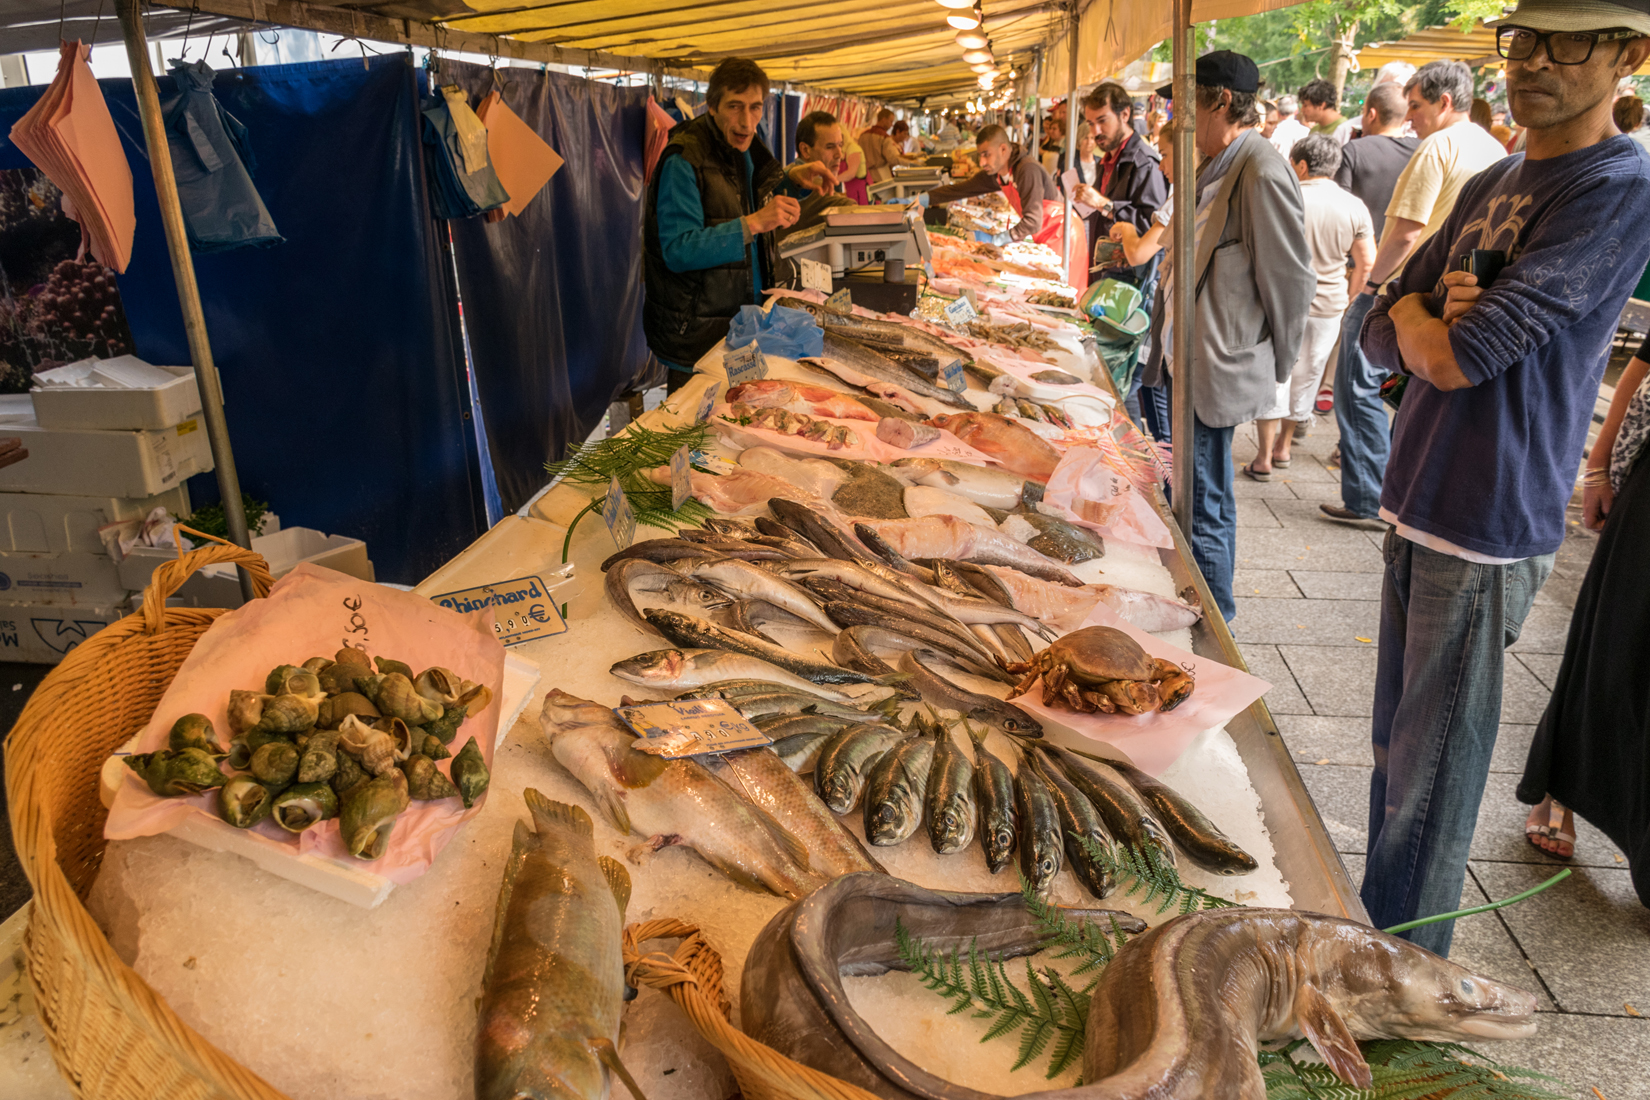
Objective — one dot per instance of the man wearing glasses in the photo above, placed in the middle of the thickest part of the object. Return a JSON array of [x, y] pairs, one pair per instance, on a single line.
[[1504, 373]]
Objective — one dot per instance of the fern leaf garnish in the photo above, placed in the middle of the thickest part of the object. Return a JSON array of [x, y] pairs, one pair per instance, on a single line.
[[1144, 873]]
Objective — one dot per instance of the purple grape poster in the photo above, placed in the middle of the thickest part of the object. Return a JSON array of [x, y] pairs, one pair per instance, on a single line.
[[55, 308]]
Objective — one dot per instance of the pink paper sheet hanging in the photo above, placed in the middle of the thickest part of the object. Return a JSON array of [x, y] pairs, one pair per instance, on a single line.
[[1154, 741], [70, 136], [311, 612], [523, 161]]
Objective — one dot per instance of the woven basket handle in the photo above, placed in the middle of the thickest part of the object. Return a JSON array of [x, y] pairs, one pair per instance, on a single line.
[[171, 575]]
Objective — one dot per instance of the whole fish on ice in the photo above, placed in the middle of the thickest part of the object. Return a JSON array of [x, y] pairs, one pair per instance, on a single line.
[[776, 393], [958, 540], [1018, 448]]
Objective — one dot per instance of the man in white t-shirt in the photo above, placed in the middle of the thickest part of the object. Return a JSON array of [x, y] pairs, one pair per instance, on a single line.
[[1289, 128], [1451, 152], [1338, 227]]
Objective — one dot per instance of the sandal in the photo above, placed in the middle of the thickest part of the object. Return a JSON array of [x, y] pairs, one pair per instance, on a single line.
[[1248, 470], [1280, 463], [1553, 830]]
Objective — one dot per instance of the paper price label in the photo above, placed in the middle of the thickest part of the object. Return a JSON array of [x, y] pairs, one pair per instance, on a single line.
[[618, 515], [840, 302], [960, 312], [815, 276], [690, 727], [745, 364], [681, 478], [953, 377], [712, 392], [523, 609]]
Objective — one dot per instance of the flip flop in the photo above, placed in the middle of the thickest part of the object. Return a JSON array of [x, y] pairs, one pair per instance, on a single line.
[[1281, 463], [1253, 474], [1553, 830]]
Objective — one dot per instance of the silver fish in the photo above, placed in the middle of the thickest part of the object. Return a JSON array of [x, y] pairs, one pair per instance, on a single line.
[[670, 801], [751, 582], [692, 668], [938, 692], [863, 360], [1191, 828], [994, 791], [754, 699], [951, 805], [986, 486], [763, 779], [894, 791], [1079, 821], [687, 630], [845, 761], [1126, 815], [876, 627], [640, 575]]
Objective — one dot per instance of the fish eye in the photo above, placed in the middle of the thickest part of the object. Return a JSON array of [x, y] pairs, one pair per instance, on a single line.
[[1467, 986]]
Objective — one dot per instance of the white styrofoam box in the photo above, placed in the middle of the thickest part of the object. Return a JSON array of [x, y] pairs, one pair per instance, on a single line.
[[40, 634], [95, 463], [353, 882], [102, 408], [284, 550], [41, 523], [62, 580]]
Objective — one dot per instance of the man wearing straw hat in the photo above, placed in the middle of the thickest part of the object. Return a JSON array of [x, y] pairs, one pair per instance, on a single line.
[[1504, 370]]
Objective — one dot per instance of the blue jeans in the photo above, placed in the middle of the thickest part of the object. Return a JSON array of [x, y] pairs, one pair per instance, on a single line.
[[1445, 624], [1366, 436], [1214, 511]]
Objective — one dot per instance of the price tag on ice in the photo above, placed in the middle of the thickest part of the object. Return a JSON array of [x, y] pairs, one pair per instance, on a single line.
[[745, 364], [681, 477], [952, 376], [690, 727], [523, 609], [815, 275], [712, 392], [840, 302], [960, 312], [618, 515]]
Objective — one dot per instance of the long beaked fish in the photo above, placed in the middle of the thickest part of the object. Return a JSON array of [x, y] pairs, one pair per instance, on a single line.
[[694, 668], [669, 801], [687, 630], [1191, 828], [942, 694], [663, 550], [1177, 1015], [764, 780], [757, 700], [554, 984]]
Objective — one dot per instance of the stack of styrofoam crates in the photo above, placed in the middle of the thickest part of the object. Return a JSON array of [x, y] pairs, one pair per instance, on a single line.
[[98, 454]]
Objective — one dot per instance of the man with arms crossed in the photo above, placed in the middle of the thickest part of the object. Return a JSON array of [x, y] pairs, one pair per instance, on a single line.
[[1489, 437]]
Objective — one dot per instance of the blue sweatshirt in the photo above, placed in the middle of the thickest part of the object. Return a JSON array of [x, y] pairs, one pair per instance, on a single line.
[[1491, 467], [688, 244]]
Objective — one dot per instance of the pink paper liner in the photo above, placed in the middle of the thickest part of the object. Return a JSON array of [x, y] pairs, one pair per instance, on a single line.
[[1154, 741], [312, 612]]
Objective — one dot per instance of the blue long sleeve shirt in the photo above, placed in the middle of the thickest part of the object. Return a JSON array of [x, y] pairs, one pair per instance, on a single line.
[[1491, 467], [689, 244]]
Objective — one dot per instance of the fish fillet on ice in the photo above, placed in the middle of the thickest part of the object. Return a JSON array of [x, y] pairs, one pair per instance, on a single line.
[[924, 500], [812, 475]]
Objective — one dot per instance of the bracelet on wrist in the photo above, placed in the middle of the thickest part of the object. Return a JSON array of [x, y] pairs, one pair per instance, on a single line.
[[1593, 479]]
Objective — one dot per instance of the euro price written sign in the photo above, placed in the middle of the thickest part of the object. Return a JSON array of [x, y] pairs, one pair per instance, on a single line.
[[745, 364], [690, 727], [959, 312], [840, 302], [952, 376], [681, 477], [618, 515], [523, 609], [712, 392]]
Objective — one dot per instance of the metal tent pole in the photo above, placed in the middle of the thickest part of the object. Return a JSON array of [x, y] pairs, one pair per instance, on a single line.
[[1183, 306], [1072, 118], [1036, 104], [183, 271]]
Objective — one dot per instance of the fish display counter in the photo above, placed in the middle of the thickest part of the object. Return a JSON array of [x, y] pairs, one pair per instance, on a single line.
[[987, 712]]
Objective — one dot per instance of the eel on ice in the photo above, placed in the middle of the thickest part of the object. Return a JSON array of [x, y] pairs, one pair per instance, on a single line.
[[1177, 1015]]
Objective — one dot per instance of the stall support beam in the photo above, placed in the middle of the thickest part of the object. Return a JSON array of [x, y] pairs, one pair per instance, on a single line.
[[1036, 103], [1183, 305], [183, 271], [1073, 117]]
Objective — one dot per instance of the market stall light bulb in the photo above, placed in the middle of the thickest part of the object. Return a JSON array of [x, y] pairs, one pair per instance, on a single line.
[[956, 5], [972, 40], [987, 79], [982, 66], [975, 56], [963, 20]]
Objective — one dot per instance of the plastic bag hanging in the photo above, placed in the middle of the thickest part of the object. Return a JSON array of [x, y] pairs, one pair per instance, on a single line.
[[213, 163], [456, 190], [69, 135]]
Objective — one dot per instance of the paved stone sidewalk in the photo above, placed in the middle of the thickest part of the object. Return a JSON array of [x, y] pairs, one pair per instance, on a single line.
[[1308, 592]]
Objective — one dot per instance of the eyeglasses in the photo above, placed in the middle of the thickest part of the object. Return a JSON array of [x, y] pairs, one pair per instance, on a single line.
[[1564, 47]]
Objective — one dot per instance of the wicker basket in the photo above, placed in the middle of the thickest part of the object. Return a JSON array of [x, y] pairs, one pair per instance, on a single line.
[[113, 1037]]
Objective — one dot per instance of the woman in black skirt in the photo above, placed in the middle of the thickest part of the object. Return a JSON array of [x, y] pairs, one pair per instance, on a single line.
[[1591, 753]]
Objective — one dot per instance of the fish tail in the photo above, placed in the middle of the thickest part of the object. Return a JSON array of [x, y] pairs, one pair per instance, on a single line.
[[547, 812], [618, 880]]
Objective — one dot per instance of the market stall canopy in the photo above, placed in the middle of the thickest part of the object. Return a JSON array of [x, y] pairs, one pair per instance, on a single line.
[[1476, 47]]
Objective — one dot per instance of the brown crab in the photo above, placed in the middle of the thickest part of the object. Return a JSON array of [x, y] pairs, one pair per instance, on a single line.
[[1100, 668]]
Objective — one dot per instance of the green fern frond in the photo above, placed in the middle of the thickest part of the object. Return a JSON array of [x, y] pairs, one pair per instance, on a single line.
[[1144, 873], [1075, 938], [1404, 1070], [626, 456]]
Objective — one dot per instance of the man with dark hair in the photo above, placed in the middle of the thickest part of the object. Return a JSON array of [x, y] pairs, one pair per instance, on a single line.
[[1337, 228], [1131, 187], [819, 138], [1321, 109], [1504, 372], [1254, 286], [712, 207], [1004, 167]]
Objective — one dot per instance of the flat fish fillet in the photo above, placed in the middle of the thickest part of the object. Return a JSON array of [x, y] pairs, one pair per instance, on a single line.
[[924, 500], [946, 536], [813, 475], [741, 492]]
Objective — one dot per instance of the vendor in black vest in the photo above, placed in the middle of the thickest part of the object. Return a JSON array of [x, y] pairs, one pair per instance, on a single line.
[[712, 207]]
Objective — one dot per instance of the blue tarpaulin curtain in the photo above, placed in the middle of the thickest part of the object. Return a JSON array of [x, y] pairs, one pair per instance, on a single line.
[[343, 376], [553, 296]]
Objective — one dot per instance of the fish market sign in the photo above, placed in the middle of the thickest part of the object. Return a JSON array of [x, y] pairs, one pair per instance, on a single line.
[[745, 364], [690, 727], [618, 515], [960, 311], [840, 302], [523, 609]]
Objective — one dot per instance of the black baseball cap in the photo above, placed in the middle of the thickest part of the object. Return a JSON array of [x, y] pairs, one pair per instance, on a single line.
[[1223, 69]]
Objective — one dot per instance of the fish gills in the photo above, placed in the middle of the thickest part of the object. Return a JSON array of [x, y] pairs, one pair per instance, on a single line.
[[554, 984]]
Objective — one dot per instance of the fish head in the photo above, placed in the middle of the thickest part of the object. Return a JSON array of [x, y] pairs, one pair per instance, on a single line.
[[889, 821], [660, 666], [836, 790], [695, 594], [1007, 719], [1392, 988], [513, 1064], [955, 829]]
